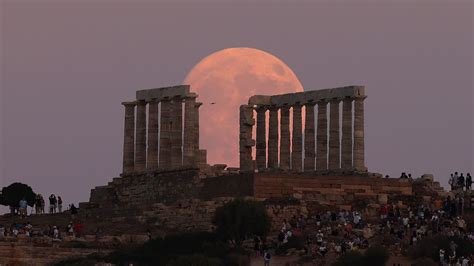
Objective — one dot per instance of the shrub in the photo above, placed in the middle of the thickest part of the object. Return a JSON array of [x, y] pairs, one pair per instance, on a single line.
[[373, 256], [429, 247], [241, 219], [12, 194]]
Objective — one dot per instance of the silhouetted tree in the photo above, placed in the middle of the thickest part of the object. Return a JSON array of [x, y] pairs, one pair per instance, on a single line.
[[12, 194], [241, 219]]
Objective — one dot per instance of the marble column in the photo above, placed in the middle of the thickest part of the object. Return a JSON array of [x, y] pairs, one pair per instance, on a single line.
[[359, 162], [152, 152], [273, 138], [334, 136], [176, 133], [297, 142], [165, 134], [285, 141], [346, 149], [129, 138], [245, 138], [189, 149], [140, 144], [261, 152], [198, 154], [309, 149], [322, 137]]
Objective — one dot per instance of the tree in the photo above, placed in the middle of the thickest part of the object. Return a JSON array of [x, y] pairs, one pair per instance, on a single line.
[[241, 219], [12, 194]]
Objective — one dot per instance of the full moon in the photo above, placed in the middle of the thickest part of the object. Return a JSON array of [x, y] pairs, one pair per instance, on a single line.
[[225, 80]]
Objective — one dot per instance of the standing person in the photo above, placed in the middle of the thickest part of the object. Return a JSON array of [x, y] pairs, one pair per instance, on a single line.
[[23, 208], [52, 204], [461, 182], [266, 258], [451, 182], [60, 204], [78, 227], [456, 178], [42, 204], [73, 210], [468, 181]]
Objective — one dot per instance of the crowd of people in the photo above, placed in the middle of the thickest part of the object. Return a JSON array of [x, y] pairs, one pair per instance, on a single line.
[[28, 230], [55, 204], [460, 183]]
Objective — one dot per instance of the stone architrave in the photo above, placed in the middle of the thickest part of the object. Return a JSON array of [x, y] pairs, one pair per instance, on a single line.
[[285, 140], [176, 133], [334, 136], [165, 134], [359, 161], [297, 142], [140, 143], [309, 148], [322, 137], [152, 152], [129, 138], [273, 138], [245, 138], [261, 152], [346, 149], [189, 149]]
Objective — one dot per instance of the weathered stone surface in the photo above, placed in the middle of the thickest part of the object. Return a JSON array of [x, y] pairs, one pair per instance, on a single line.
[[165, 134], [245, 138], [196, 134], [346, 149], [129, 138], [177, 133], [152, 151], [297, 142], [334, 136], [261, 152], [309, 145], [322, 137], [189, 147], [285, 141], [140, 144], [163, 93], [359, 161], [273, 138], [308, 96]]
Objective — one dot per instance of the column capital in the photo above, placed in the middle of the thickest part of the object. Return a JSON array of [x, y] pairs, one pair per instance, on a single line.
[[323, 102], [191, 95], [141, 102], [348, 99], [335, 100], [197, 104], [360, 98], [261, 108], [310, 104]]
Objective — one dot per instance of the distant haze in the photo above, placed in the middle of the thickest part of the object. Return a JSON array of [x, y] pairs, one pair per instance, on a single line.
[[67, 65]]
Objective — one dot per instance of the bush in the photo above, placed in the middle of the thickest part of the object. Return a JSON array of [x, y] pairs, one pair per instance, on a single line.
[[241, 219], [195, 260], [296, 242], [12, 194], [373, 256]]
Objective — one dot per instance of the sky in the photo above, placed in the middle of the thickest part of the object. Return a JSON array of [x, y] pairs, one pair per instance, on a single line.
[[67, 65]]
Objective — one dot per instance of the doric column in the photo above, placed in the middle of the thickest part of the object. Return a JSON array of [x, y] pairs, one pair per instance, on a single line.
[[176, 133], [285, 141], [359, 162], [245, 138], [309, 149], [346, 149], [189, 148], [261, 152], [334, 136], [322, 137], [152, 154], [273, 138], [165, 134], [129, 138], [297, 142], [140, 143], [198, 153]]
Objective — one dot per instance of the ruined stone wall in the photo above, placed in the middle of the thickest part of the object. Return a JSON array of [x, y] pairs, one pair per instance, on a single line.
[[329, 190]]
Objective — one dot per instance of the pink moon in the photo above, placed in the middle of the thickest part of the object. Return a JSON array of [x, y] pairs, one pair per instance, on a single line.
[[225, 80]]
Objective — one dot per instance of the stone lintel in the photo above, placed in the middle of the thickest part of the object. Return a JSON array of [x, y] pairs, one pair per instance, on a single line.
[[162, 93], [308, 96]]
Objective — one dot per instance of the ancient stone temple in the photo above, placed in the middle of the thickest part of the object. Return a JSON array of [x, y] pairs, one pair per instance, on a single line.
[[161, 131], [312, 155], [322, 153]]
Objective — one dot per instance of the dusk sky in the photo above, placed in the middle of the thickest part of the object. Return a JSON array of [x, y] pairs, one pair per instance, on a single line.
[[67, 65]]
